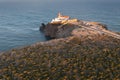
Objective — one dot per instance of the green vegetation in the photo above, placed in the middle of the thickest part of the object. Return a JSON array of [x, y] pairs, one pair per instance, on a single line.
[[72, 59]]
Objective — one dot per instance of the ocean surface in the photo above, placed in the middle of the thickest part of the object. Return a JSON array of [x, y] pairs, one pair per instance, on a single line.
[[19, 22]]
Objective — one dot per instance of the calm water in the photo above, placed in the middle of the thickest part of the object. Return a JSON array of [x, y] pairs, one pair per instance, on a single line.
[[19, 24]]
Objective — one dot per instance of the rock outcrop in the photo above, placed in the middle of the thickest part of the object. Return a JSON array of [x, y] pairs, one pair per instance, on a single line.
[[73, 27], [78, 28]]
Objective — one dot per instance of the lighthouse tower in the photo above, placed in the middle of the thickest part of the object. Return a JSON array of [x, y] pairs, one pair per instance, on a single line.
[[60, 18], [59, 15]]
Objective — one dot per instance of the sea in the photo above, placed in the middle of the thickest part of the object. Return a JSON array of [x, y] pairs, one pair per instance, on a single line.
[[20, 21]]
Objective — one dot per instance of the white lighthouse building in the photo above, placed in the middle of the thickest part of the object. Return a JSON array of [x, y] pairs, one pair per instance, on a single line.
[[60, 18]]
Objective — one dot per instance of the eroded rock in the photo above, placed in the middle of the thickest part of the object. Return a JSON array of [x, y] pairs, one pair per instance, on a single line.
[[73, 27]]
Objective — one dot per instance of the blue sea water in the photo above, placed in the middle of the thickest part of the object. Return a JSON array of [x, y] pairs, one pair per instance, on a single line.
[[19, 23]]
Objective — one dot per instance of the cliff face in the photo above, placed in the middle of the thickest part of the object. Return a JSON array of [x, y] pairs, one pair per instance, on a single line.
[[73, 28], [59, 30]]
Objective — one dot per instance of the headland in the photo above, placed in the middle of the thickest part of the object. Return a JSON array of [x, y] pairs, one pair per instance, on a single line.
[[64, 26], [79, 50]]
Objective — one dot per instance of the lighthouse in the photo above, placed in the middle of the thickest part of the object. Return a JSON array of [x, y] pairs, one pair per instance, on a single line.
[[60, 18]]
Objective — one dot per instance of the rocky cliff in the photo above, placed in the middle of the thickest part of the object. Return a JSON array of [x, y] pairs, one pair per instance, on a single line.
[[73, 27]]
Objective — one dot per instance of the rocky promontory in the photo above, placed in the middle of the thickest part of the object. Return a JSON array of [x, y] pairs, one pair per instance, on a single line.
[[80, 50], [74, 27]]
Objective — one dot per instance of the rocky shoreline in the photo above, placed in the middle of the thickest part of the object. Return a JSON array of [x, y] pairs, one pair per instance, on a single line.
[[79, 50]]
